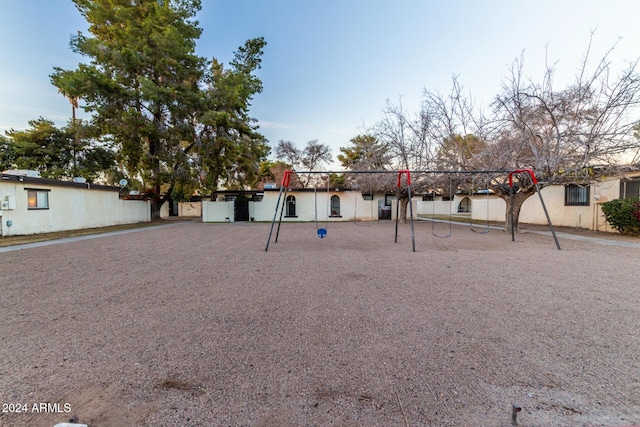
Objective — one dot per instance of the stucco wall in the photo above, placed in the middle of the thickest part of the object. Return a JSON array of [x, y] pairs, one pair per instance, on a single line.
[[69, 209], [217, 211], [495, 209], [306, 203], [190, 209], [483, 207]]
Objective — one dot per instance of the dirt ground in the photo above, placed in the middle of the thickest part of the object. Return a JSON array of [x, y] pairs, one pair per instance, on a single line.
[[197, 325]]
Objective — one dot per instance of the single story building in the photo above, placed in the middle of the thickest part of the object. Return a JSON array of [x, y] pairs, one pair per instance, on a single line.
[[30, 204], [568, 205]]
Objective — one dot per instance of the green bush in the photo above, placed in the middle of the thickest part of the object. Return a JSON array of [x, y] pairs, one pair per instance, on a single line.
[[623, 215]]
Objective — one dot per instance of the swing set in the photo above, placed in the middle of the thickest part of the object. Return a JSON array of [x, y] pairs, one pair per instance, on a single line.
[[322, 232], [472, 227], [371, 220]]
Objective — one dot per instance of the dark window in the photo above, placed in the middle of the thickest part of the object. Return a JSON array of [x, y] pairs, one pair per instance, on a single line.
[[629, 189], [291, 206], [464, 206], [335, 206], [576, 195]]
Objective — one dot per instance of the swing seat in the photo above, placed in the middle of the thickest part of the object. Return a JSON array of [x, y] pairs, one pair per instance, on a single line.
[[322, 232]]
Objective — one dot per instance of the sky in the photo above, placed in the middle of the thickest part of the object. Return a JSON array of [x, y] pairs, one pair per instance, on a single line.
[[331, 66]]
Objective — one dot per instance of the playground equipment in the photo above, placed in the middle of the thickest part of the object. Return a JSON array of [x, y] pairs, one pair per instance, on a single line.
[[371, 219], [544, 207], [478, 230], [407, 173], [433, 213], [322, 232]]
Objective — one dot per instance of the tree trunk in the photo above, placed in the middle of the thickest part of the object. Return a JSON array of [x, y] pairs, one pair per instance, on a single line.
[[515, 203], [404, 202], [156, 205]]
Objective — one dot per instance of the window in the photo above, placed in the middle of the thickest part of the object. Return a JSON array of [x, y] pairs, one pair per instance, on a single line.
[[290, 206], [335, 206], [629, 189], [464, 206], [576, 195], [38, 199]]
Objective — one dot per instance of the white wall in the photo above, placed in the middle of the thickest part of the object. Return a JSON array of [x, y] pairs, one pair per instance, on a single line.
[[483, 207], [306, 205], [70, 208], [217, 211]]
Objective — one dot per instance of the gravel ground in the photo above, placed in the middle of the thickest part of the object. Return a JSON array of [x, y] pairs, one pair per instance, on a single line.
[[196, 325]]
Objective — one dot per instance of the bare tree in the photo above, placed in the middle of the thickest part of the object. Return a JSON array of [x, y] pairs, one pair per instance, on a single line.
[[287, 151], [408, 146], [313, 156], [405, 137], [447, 133], [570, 135]]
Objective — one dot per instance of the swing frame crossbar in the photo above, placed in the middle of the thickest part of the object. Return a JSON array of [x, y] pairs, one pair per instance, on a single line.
[[286, 182]]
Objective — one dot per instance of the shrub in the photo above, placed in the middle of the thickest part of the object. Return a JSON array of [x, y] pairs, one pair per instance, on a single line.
[[623, 215]]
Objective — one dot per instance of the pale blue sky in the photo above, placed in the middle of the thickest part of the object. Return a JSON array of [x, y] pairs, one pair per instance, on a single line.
[[329, 66]]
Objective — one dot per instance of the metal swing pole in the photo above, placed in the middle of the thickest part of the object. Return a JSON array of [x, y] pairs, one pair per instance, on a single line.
[[553, 231], [513, 235], [284, 186], [544, 206], [397, 218], [408, 173], [413, 238], [471, 227]]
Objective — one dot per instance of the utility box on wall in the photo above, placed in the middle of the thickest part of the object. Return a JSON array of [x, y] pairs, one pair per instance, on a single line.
[[9, 203]]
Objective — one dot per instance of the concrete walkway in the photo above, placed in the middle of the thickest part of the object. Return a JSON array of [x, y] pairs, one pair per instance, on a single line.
[[560, 234], [78, 238]]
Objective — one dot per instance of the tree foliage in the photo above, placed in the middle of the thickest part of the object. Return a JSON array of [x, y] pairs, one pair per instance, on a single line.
[[366, 152], [179, 122], [57, 153], [230, 146]]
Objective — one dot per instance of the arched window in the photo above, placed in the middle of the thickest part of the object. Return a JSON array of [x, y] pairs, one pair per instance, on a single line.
[[465, 205], [335, 206], [291, 206]]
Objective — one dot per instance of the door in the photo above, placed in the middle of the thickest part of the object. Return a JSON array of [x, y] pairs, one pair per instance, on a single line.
[[173, 208], [241, 209]]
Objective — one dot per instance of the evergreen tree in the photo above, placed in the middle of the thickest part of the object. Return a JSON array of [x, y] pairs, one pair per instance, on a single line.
[[171, 117]]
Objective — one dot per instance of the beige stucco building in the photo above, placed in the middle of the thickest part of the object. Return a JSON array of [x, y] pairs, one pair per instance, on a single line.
[[30, 204], [570, 206]]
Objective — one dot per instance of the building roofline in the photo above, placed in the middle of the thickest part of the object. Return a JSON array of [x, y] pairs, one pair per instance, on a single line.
[[57, 183]]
